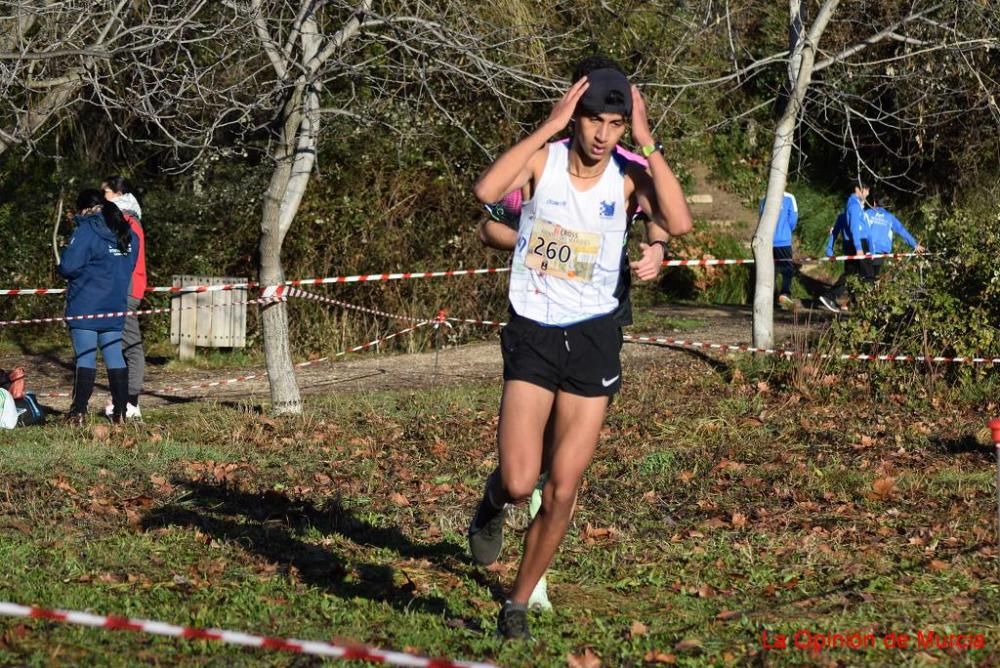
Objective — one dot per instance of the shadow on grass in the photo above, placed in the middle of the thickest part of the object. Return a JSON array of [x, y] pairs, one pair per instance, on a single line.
[[964, 445], [270, 524]]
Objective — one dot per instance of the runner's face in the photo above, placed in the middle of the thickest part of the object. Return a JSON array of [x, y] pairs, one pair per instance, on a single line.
[[598, 134]]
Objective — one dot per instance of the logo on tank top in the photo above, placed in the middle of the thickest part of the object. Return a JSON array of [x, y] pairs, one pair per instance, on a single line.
[[607, 209], [555, 202]]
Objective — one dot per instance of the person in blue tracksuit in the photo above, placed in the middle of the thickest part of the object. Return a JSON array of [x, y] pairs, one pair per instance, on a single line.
[[852, 228], [787, 220], [98, 264], [883, 227]]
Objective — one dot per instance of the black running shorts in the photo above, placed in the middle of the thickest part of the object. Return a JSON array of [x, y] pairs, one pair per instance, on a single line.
[[582, 359]]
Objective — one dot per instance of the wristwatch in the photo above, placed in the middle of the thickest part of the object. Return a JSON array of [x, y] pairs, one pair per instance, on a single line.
[[650, 149], [661, 242]]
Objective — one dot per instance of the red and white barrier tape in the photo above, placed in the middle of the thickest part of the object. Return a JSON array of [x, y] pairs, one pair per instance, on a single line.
[[869, 256], [734, 348], [370, 278], [474, 321], [295, 292], [312, 647], [709, 262], [863, 357], [396, 277], [263, 374], [147, 311], [240, 379]]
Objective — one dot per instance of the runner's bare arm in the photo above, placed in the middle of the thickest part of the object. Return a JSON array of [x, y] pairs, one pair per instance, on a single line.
[[647, 268], [525, 160], [496, 235], [657, 191]]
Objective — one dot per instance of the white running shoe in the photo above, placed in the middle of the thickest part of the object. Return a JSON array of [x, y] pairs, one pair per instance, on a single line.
[[539, 599], [829, 304], [132, 411]]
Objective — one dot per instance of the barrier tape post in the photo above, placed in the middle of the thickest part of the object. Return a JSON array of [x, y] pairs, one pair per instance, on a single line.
[[994, 425], [440, 319], [312, 647]]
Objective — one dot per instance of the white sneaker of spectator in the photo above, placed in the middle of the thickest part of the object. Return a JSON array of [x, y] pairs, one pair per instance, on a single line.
[[132, 411]]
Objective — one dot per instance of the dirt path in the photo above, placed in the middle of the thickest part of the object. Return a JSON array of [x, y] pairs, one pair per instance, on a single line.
[[726, 211], [473, 362]]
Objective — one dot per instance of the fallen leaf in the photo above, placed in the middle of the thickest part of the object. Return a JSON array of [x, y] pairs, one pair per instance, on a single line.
[[161, 483], [656, 656], [101, 432], [60, 483], [883, 488], [739, 520], [586, 660], [637, 629], [399, 500], [726, 615], [688, 644], [592, 534], [938, 565]]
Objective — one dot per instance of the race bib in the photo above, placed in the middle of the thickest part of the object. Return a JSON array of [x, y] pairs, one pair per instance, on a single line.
[[561, 252]]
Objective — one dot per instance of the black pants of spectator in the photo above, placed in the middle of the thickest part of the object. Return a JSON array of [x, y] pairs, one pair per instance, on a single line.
[[785, 267], [862, 268]]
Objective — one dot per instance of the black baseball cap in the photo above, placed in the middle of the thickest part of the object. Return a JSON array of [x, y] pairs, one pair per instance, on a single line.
[[608, 92]]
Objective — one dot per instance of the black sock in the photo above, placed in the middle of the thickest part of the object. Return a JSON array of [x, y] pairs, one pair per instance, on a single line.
[[487, 509], [133, 399], [83, 387], [511, 605]]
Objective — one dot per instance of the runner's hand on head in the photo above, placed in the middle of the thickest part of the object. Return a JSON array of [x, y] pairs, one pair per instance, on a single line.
[[648, 266], [641, 134], [562, 112]]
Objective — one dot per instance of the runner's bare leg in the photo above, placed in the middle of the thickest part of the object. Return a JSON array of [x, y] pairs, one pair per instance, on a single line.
[[578, 422]]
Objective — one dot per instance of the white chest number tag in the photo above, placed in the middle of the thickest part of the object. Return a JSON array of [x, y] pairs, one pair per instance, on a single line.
[[561, 252]]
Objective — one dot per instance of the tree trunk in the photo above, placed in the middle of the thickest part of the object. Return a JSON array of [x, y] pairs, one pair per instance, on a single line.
[[295, 156], [781, 153], [285, 397]]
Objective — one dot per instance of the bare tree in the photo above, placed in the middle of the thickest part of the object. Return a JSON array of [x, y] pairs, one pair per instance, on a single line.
[[889, 83], [803, 47], [124, 57], [193, 76], [342, 58]]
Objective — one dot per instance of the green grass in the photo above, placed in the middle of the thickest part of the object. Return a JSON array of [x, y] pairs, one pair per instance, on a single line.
[[734, 508]]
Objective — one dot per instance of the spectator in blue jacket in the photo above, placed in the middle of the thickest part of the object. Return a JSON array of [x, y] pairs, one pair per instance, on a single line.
[[782, 247], [852, 228], [98, 264], [883, 227]]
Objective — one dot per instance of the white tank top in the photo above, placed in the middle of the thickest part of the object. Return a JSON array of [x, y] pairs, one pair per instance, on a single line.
[[569, 248]]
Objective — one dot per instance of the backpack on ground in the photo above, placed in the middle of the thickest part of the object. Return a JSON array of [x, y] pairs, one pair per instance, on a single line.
[[29, 412], [18, 407]]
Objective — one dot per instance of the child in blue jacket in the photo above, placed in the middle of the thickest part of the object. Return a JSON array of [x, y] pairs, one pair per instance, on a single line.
[[782, 246], [98, 264], [852, 228], [882, 228]]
